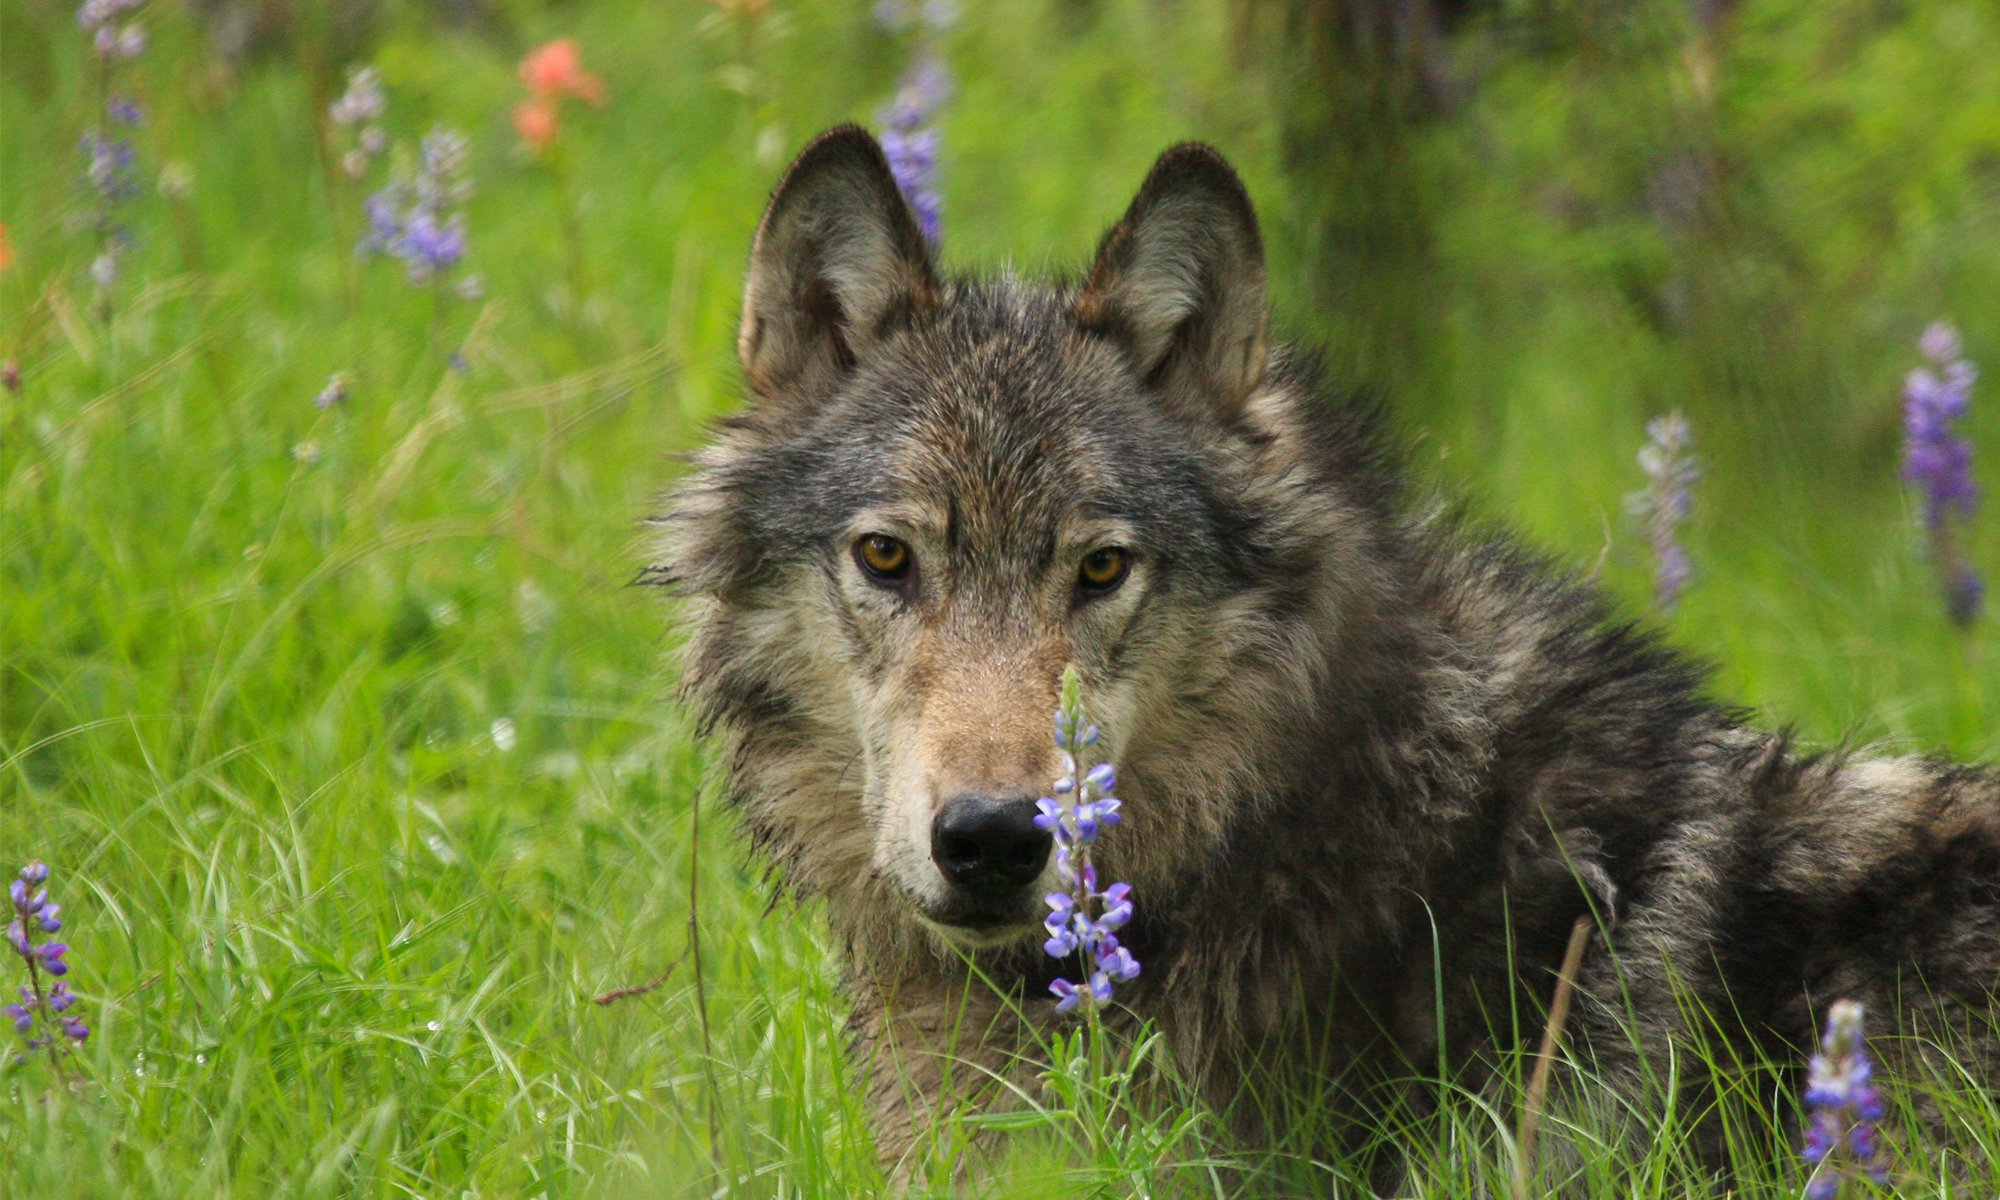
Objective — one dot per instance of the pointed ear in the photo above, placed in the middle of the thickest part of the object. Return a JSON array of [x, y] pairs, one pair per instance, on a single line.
[[1179, 285], [838, 264]]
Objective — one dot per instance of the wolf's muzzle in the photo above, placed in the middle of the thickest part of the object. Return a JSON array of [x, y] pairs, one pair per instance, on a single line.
[[987, 846]]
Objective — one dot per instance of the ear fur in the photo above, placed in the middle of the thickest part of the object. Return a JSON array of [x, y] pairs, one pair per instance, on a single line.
[[837, 265], [1179, 284]]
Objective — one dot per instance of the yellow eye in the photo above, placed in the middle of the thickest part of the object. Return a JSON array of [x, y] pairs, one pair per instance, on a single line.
[[1103, 569], [882, 556]]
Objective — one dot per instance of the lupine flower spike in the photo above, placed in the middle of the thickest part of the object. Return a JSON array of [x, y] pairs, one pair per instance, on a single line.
[[909, 141], [107, 155], [1663, 504], [417, 219], [1083, 919], [360, 109], [1940, 463], [39, 1008], [1842, 1136]]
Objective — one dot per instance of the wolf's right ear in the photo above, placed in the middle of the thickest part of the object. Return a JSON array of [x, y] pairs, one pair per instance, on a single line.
[[1179, 286], [838, 264]]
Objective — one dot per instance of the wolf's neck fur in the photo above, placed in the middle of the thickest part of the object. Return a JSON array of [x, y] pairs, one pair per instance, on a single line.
[[1425, 734]]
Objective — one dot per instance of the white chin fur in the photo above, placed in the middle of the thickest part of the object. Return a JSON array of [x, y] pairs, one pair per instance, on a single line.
[[980, 939]]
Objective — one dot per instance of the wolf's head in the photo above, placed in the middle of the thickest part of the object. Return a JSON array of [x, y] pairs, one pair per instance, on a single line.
[[942, 492]]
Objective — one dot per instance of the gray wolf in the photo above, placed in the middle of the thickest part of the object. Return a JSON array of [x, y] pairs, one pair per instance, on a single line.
[[1375, 761]]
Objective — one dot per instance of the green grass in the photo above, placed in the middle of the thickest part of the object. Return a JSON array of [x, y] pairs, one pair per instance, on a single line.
[[358, 767]]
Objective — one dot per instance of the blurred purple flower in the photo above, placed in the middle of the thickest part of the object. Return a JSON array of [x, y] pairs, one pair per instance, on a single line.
[[108, 161], [1664, 503], [359, 108], [384, 210], [362, 102], [119, 41], [415, 220], [1939, 463], [431, 247], [108, 166], [895, 16], [907, 141], [92, 14]]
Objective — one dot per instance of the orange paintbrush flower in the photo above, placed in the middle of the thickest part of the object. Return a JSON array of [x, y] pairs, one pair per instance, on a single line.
[[535, 121], [557, 68]]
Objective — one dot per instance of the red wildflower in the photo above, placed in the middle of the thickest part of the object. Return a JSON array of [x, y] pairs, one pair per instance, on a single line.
[[557, 68], [535, 121]]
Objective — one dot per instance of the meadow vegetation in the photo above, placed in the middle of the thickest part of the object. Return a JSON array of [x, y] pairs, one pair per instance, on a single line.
[[354, 755]]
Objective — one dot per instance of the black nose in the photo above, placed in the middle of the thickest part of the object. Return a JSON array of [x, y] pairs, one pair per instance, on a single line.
[[988, 845]]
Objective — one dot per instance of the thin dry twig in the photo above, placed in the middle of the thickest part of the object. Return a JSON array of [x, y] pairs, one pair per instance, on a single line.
[[1538, 1084], [651, 985]]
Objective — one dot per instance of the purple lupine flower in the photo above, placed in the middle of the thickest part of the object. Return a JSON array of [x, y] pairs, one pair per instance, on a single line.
[[892, 15], [910, 146], [108, 166], [1664, 503], [92, 14], [414, 219], [32, 910], [385, 219], [108, 161], [1846, 1109], [895, 16], [119, 41], [1939, 462], [359, 108], [442, 183], [362, 102], [1075, 827], [431, 247]]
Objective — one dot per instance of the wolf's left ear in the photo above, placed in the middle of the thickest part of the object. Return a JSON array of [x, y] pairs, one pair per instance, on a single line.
[[837, 264], [1179, 284]]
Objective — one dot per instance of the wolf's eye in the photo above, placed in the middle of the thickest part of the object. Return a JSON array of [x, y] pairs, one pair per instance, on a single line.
[[882, 557], [1103, 569]]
